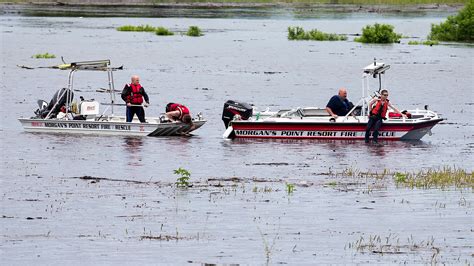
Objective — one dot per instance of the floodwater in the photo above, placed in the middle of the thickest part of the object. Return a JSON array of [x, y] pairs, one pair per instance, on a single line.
[[130, 210]]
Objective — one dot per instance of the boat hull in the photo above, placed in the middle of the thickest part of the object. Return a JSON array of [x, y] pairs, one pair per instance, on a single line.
[[106, 127], [328, 130]]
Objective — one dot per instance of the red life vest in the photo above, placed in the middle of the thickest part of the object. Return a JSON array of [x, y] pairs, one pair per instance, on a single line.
[[183, 110], [376, 110], [135, 96]]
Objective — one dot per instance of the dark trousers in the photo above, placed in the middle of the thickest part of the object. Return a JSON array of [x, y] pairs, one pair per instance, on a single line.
[[132, 110], [374, 123]]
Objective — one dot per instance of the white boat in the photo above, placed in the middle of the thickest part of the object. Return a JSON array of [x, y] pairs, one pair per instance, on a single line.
[[62, 115], [315, 123]]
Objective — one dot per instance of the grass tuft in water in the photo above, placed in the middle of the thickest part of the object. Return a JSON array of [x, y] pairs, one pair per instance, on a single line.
[[140, 28], [162, 31], [183, 180], [44, 56], [194, 31], [436, 178], [393, 244], [298, 34], [290, 188], [379, 33], [429, 42]]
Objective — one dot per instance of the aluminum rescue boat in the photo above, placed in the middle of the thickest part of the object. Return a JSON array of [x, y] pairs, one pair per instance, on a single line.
[[64, 115], [242, 121]]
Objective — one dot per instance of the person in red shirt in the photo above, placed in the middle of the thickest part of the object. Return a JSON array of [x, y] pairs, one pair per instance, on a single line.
[[133, 94], [178, 112]]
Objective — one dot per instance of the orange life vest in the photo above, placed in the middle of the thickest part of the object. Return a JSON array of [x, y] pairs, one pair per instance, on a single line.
[[380, 109]]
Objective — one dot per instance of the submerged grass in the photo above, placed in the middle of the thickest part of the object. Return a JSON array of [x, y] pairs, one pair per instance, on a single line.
[[299, 34], [444, 177], [140, 28], [429, 42], [436, 178], [146, 28], [44, 56], [393, 244]]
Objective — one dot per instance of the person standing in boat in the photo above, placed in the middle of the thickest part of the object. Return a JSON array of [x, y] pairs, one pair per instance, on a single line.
[[133, 94], [339, 105], [377, 112]]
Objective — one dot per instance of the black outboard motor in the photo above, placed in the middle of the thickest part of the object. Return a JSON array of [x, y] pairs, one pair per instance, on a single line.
[[233, 108], [60, 97]]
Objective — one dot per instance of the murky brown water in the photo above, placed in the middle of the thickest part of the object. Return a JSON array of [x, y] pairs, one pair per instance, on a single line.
[[106, 221]]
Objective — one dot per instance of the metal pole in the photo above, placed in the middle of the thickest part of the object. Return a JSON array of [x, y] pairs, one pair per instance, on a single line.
[[113, 89]]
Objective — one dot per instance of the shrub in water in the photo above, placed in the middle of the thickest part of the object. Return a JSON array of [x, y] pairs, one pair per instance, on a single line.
[[194, 31], [459, 28], [298, 33], [162, 31], [378, 33], [44, 56]]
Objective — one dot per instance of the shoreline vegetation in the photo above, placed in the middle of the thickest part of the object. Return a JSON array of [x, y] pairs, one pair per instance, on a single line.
[[336, 5]]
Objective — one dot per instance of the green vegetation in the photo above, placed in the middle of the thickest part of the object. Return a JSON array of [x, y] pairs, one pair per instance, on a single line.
[[162, 31], [194, 31], [43, 56], [183, 179], [298, 33], [459, 28], [430, 43], [436, 178], [146, 28], [290, 188], [379, 33], [140, 28]]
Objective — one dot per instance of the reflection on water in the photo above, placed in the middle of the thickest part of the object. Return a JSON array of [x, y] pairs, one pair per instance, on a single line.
[[133, 146]]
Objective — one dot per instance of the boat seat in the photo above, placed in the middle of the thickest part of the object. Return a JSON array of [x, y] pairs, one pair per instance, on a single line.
[[314, 112], [282, 112]]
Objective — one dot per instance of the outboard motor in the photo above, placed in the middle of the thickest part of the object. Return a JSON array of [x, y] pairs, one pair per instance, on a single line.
[[60, 97], [233, 108]]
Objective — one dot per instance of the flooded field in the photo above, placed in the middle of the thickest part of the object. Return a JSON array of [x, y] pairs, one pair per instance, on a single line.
[[114, 199]]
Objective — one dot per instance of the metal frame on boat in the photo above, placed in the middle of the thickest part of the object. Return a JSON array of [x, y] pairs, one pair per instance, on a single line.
[[61, 115], [315, 123]]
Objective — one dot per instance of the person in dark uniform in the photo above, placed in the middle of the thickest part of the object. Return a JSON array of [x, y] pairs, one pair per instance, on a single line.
[[134, 94], [339, 105]]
